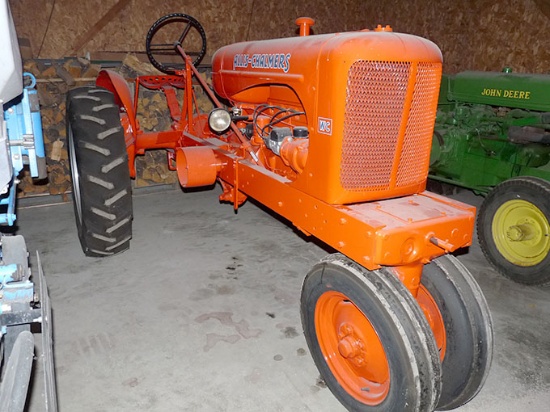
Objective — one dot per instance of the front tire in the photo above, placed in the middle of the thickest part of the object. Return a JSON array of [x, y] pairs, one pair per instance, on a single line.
[[102, 192], [513, 227], [461, 321], [369, 338]]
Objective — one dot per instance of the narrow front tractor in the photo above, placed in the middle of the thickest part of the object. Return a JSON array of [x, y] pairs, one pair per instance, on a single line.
[[492, 136], [333, 132]]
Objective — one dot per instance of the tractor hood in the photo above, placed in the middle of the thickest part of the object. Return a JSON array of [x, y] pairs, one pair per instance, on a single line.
[[522, 91], [297, 61]]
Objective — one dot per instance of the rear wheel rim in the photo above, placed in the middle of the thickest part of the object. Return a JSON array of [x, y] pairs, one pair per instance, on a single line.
[[75, 176], [520, 232], [352, 348]]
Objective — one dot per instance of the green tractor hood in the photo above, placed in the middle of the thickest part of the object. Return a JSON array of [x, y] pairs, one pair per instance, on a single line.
[[515, 90]]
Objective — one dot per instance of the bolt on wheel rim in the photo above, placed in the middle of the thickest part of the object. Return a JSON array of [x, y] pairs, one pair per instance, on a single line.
[[521, 233], [352, 348]]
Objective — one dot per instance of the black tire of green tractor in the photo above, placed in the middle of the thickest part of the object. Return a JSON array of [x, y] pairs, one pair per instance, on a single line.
[[468, 330], [413, 379], [535, 192], [102, 192]]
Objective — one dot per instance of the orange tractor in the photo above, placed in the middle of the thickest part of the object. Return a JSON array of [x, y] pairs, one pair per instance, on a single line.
[[332, 132]]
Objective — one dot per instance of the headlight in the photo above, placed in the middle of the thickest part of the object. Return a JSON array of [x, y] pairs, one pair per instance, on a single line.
[[219, 120]]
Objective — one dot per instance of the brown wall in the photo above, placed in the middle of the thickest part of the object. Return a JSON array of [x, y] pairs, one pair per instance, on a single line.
[[473, 34]]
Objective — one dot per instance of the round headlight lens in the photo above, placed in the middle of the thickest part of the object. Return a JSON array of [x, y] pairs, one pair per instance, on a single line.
[[219, 120]]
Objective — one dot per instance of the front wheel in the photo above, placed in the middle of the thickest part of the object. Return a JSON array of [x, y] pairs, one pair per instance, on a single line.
[[102, 193], [369, 338], [459, 316], [513, 227]]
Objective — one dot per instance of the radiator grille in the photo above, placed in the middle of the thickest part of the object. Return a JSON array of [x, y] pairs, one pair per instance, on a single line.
[[375, 102], [374, 107], [415, 155]]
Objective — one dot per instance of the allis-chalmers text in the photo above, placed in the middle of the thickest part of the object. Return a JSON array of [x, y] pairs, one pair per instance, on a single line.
[[279, 61]]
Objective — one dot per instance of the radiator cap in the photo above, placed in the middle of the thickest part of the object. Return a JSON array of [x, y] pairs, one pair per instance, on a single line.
[[387, 27]]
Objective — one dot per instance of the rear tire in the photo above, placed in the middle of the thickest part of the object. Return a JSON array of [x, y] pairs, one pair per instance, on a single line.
[[102, 192], [513, 227], [369, 338]]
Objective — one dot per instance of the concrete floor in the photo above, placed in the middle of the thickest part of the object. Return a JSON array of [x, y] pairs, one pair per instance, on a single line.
[[202, 314]]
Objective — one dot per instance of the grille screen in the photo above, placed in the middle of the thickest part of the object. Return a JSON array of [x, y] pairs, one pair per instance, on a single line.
[[375, 101], [374, 107], [418, 136]]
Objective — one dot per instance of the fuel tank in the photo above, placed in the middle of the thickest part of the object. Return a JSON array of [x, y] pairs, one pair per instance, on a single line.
[[370, 100]]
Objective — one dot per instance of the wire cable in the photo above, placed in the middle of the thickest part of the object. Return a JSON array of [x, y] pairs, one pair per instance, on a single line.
[[47, 28]]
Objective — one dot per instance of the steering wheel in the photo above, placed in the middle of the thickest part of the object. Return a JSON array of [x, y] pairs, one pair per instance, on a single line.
[[168, 32]]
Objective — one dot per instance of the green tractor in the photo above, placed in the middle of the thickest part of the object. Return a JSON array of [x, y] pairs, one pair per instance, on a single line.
[[492, 135]]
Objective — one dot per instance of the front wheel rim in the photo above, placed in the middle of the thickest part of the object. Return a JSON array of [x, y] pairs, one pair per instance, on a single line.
[[352, 348], [434, 317], [521, 232]]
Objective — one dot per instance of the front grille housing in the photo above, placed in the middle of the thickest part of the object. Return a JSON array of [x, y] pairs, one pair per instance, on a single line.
[[388, 125]]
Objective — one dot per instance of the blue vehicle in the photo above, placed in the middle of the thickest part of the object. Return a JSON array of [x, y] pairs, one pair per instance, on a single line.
[[24, 299]]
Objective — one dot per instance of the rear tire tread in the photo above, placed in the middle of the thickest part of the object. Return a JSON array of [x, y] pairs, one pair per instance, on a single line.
[[101, 184]]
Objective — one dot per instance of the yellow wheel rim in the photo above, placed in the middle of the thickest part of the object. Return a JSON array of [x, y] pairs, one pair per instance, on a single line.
[[521, 232]]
